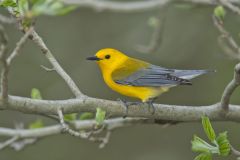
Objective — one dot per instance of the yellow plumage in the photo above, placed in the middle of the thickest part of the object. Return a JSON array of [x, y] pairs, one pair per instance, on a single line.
[[135, 78]]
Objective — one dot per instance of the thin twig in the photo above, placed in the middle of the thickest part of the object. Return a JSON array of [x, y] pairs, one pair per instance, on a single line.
[[7, 61], [228, 91], [234, 151], [5, 69], [19, 145], [135, 6], [66, 128], [118, 6], [235, 82], [8, 142], [19, 46], [77, 124], [105, 139], [6, 20], [230, 6], [156, 38], [56, 66], [47, 69], [89, 135], [234, 48]]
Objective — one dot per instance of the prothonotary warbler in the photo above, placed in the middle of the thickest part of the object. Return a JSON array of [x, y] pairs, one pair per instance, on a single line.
[[136, 78]]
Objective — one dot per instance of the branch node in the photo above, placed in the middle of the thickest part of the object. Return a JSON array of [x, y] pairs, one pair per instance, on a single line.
[[237, 74], [47, 69], [8, 142], [65, 127]]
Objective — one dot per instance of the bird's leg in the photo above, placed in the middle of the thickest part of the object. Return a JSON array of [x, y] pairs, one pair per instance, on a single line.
[[150, 105], [127, 104], [124, 103]]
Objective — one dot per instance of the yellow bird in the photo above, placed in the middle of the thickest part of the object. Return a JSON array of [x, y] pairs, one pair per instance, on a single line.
[[136, 78]]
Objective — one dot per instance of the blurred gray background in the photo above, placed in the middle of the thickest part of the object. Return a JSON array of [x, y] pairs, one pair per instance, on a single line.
[[189, 41]]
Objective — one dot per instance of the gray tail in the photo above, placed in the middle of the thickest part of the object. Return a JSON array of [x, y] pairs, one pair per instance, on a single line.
[[190, 74]]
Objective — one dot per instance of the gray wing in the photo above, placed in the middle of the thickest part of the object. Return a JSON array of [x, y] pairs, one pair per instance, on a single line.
[[155, 76]]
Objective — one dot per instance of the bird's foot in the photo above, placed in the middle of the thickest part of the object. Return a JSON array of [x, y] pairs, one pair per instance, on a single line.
[[127, 104], [124, 103], [150, 105]]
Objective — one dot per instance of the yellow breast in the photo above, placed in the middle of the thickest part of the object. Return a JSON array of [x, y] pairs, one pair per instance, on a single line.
[[143, 93]]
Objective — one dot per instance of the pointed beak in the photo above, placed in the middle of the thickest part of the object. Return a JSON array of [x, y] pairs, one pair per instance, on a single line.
[[94, 58]]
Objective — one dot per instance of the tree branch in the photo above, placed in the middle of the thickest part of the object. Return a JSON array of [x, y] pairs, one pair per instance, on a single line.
[[7, 20], [231, 48], [234, 151], [230, 6], [233, 84], [210, 2], [8, 142], [5, 69], [110, 124], [19, 46], [116, 6], [65, 127], [7, 61], [114, 108], [156, 37], [38, 40], [135, 6]]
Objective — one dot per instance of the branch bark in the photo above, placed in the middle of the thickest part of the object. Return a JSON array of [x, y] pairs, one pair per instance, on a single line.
[[5, 68], [19, 46], [136, 6], [116, 6], [78, 125], [230, 6], [233, 84], [8, 142], [114, 108], [230, 46]]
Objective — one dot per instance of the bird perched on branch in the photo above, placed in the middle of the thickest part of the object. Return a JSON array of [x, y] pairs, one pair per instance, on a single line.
[[136, 78]]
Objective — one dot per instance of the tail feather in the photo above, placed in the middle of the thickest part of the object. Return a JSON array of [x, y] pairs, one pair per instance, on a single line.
[[190, 74]]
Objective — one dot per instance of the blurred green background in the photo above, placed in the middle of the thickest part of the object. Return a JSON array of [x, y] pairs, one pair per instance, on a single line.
[[189, 41]]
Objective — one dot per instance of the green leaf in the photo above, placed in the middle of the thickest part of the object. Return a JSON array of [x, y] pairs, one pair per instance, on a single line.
[[100, 116], [35, 94], [219, 12], [86, 115], [51, 7], [23, 7], [70, 117], [208, 128], [203, 156], [36, 124], [61, 9], [8, 3], [199, 145], [223, 144]]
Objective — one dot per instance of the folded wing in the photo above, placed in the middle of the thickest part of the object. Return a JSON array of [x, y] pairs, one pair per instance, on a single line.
[[153, 76]]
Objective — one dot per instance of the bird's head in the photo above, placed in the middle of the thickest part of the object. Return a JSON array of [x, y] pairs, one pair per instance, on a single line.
[[108, 58]]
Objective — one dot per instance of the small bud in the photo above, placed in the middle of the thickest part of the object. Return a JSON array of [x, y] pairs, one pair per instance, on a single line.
[[219, 12]]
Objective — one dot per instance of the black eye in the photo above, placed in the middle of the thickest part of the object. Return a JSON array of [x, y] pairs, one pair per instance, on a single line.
[[107, 56]]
